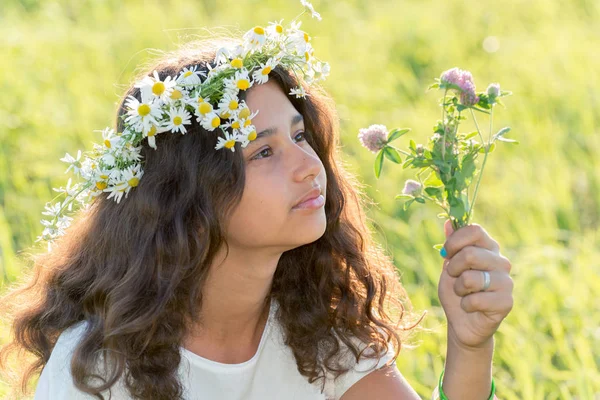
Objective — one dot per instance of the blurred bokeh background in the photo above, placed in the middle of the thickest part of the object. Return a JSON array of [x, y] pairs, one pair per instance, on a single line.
[[65, 64]]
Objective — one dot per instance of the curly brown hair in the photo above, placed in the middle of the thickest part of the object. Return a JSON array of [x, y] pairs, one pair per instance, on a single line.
[[135, 270]]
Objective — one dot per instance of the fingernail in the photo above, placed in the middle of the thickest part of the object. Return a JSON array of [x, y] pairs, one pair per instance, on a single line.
[[443, 252]]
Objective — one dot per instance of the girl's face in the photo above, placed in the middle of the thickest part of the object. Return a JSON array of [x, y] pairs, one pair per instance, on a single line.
[[281, 168]]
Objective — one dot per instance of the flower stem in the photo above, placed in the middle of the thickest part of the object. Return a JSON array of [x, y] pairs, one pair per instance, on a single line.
[[482, 166], [444, 125]]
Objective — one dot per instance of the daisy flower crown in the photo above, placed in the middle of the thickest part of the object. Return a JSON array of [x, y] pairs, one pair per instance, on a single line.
[[170, 104]]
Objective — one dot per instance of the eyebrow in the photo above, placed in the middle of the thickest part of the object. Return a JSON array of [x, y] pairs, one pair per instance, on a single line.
[[296, 119]]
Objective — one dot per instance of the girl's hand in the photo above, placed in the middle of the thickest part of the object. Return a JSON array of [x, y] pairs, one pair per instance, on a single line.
[[474, 315]]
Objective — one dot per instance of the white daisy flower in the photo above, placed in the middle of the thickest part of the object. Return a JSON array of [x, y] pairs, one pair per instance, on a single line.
[[241, 81], [228, 142], [153, 87], [321, 70], [69, 191], [254, 38], [228, 105], [151, 135], [130, 153], [261, 75], [310, 8], [248, 134], [299, 92], [101, 178], [190, 76], [130, 177], [179, 93], [74, 163], [211, 121], [202, 109], [109, 137], [275, 28], [178, 118], [196, 100], [142, 114], [53, 210]]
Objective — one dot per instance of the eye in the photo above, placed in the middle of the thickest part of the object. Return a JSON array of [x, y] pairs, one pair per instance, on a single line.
[[262, 152]]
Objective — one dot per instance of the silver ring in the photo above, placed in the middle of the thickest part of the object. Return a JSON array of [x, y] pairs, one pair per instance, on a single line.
[[486, 280]]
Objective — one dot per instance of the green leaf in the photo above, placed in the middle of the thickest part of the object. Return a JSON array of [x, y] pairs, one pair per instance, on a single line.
[[502, 131], [468, 166], [420, 200], [413, 145], [470, 135], [433, 86], [408, 203], [433, 180], [502, 139], [457, 210], [392, 154], [491, 147], [461, 107], [407, 162], [378, 163], [396, 133], [403, 196]]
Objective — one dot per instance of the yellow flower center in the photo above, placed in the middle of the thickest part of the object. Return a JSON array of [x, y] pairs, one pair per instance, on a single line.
[[259, 30], [205, 108], [215, 122], [177, 120], [104, 176], [252, 135], [107, 143], [93, 165], [235, 125], [237, 63], [158, 88], [243, 84], [306, 37], [229, 144], [278, 28], [187, 73], [133, 182], [247, 122], [233, 104], [101, 185], [152, 131], [176, 95], [307, 56], [143, 110], [225, 115], [266, 70], [245, 113]]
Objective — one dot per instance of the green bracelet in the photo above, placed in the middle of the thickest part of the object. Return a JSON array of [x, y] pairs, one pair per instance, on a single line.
[[444, 397]]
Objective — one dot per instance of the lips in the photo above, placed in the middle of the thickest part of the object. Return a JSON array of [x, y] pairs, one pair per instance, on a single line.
[[313, 194]]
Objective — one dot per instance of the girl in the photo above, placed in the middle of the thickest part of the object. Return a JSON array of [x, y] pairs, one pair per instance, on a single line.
[[243, 274]]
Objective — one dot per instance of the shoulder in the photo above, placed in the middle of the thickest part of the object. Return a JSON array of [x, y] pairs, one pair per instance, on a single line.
[[370, 377], [56, 381]]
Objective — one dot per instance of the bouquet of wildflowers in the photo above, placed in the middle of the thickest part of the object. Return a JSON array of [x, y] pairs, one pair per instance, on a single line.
[[450, 156]]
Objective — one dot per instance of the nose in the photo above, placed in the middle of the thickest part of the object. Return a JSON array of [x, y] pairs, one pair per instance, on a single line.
[[307, 164]]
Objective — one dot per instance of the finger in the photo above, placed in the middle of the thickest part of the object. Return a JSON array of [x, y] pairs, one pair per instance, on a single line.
[[470, 235], [472, 281], [473, 257], [488, 302]]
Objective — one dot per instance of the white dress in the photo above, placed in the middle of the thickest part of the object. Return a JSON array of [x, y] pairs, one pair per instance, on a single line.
[[270, 374]]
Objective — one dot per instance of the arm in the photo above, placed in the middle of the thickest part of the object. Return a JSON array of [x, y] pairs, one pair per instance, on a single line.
[[468, 372], [382, 384]]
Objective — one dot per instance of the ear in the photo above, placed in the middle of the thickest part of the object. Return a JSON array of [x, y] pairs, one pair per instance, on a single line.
[[448, 228]]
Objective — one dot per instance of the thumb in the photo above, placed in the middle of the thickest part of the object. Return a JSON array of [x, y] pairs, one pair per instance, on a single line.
[[448, 228]]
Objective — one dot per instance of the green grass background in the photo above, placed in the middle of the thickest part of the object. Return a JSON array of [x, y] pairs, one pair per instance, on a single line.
[[64, 64]]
